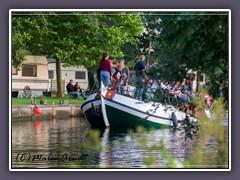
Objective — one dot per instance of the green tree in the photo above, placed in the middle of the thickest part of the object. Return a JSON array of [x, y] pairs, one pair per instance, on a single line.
[[193, 41], [152, 29], [74, 38]]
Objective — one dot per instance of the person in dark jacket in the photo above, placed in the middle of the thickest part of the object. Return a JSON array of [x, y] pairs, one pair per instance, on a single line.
[[70, 89], [140, 68]]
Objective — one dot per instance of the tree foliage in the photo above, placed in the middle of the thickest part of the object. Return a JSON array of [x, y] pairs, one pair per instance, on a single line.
[[195, 41], [152, 29], [75, 38], [180, 40]]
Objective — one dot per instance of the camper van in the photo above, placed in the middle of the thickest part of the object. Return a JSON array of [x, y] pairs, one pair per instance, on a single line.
[[31, 80], [77, 74]]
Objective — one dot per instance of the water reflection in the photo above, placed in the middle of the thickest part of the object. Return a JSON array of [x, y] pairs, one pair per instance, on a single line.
[[48, 138], [62, 144], [121, 150]]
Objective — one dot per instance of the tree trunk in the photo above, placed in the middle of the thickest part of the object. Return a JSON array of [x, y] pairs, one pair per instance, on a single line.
[[59, 78], [91, 80]]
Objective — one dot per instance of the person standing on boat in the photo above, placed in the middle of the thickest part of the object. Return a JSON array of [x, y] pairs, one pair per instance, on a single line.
[[106, 70], [125, 70], [114, 66], [140, 68]]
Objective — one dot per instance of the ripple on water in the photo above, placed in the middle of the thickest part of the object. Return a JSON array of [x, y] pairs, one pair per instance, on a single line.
[[119, 149]]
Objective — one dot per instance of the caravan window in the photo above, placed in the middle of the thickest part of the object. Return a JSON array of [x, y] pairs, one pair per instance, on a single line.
[[80, 75], [29, 70], [50, 75]]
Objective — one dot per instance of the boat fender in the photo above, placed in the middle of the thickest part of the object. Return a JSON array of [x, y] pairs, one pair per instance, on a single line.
[[174, 120]]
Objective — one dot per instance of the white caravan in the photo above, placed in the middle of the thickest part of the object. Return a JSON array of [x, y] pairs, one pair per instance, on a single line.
[[31, 80]]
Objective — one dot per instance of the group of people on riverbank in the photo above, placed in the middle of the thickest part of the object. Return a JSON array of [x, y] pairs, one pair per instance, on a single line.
[[176, 89], [182, 91]]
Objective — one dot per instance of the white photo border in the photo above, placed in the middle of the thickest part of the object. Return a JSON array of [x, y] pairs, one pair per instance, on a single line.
[[116, 10]]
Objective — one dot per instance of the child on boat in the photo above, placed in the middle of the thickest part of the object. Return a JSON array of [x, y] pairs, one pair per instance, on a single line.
[[116, 75], [123, 84]]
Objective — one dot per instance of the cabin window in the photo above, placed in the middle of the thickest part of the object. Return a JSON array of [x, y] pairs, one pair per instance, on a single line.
[[14, 71], [80, 75], [29, 70], [50, 75], [201, 78]]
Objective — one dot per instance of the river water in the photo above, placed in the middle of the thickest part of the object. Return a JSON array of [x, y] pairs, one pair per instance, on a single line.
[[71, 143]]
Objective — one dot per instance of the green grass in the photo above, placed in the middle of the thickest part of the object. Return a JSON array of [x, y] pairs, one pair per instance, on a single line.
[[50, 100]]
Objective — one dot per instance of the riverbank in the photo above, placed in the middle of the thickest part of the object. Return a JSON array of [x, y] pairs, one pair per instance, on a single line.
[[47, 111], [48, 100]]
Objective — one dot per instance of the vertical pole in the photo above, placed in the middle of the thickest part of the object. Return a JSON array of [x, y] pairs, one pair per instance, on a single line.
[[148, 59], [53, 122], [71, 122], [32, 113], [71, 111], [53, 111]]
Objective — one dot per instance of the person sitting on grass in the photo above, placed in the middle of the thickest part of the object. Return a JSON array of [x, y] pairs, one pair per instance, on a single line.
[[78, 89], [70, 89]]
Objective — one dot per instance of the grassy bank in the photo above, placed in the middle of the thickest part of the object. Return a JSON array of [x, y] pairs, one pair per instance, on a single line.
[[50, 100]]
